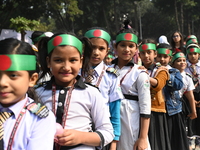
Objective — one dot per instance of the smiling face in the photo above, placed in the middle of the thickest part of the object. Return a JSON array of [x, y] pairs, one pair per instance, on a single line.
[[14, 85], [126, 50], [180, 64], [100, 50], [65, 63]]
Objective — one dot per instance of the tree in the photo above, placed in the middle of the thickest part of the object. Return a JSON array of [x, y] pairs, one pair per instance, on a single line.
[[21, 24]]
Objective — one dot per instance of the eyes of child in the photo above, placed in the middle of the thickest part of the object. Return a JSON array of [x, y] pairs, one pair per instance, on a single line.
[[13, 74], [124, 45], [60, 60]]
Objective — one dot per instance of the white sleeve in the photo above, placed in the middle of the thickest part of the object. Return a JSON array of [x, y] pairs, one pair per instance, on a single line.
[[143, 87]]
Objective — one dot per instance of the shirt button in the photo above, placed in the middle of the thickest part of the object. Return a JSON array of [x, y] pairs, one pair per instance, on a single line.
[[62, 92], [60, 104]]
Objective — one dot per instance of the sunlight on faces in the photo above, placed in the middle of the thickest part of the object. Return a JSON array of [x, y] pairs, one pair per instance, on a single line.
[[147, 57], [100, 50], [164, 59], [14, 85], [193, 57], [65, 63], [126, 50], [180, 64]]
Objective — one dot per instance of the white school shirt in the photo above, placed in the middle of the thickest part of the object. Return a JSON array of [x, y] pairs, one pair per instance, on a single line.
[[188, 84], [86, 107], [33, 133], [109, 85], [136, 82], [189, 70]]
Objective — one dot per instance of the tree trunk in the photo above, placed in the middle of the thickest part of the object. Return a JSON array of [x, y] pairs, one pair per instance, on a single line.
[[182, 19], [176, 15], [115, 16]]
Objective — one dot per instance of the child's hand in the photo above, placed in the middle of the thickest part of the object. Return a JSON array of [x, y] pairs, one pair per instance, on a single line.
[[69, 138], [141, 144], [192, 115]]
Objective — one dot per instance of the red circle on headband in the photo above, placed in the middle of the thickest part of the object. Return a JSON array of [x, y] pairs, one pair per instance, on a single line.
[[5, 62], [128, 36], [144, 47], [97, 33], [57, 40], [167, 51], [181, 54], [192, 50]]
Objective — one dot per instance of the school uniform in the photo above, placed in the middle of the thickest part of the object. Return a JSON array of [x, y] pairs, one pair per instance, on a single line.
[[158, 128], [193, 125], [33, 132], [136, 103], [86, 107], [109, 86]]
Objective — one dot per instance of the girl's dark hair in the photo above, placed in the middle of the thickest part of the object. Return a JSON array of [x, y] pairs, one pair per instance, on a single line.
[[34, 35], [43, 53], [144, 41], [164, 45], [14, 46], [127, 29]]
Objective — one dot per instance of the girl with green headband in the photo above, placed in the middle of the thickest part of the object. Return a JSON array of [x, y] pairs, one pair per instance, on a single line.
[[136, 105], [193, 68], [30, 122], [176, 125], [179, 62], [105, 78], [158, 78], [76, 105]]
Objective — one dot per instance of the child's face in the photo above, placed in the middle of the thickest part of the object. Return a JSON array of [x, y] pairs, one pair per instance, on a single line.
[[14, 85], [108, 60], [193, 57], [126, 50], [147, 57], [164, 59], [180, 64], [100, 50], [65, 63], [176, 37]]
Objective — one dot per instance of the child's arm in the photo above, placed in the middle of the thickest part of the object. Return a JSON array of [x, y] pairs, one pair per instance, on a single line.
[[73, 137], [190, 96], [115, 120], [142, 143]]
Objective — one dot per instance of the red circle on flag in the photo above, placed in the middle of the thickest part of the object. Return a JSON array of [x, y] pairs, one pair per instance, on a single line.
[[144, 47], [128, 36], [97, 33], [5, 62], [192, 50], [181, 54], [57, 40], [167, 51]]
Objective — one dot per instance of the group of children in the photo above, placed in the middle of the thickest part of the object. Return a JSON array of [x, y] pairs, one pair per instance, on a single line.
[[88, 104]]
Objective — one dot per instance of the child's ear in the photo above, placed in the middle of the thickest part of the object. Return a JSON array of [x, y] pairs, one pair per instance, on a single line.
[[33, 79]]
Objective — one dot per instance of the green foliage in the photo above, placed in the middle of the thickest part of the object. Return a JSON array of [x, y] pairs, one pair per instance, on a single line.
[[21, 24]]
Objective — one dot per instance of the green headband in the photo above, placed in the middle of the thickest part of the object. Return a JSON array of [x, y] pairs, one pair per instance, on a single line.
[[64, 39], [178, 55], [127, 37], [110, 56], [147, 46], [17, 62], [192, 41], [191, 37], [46, 34], [193, 50], [98, 33], [164, 51]]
